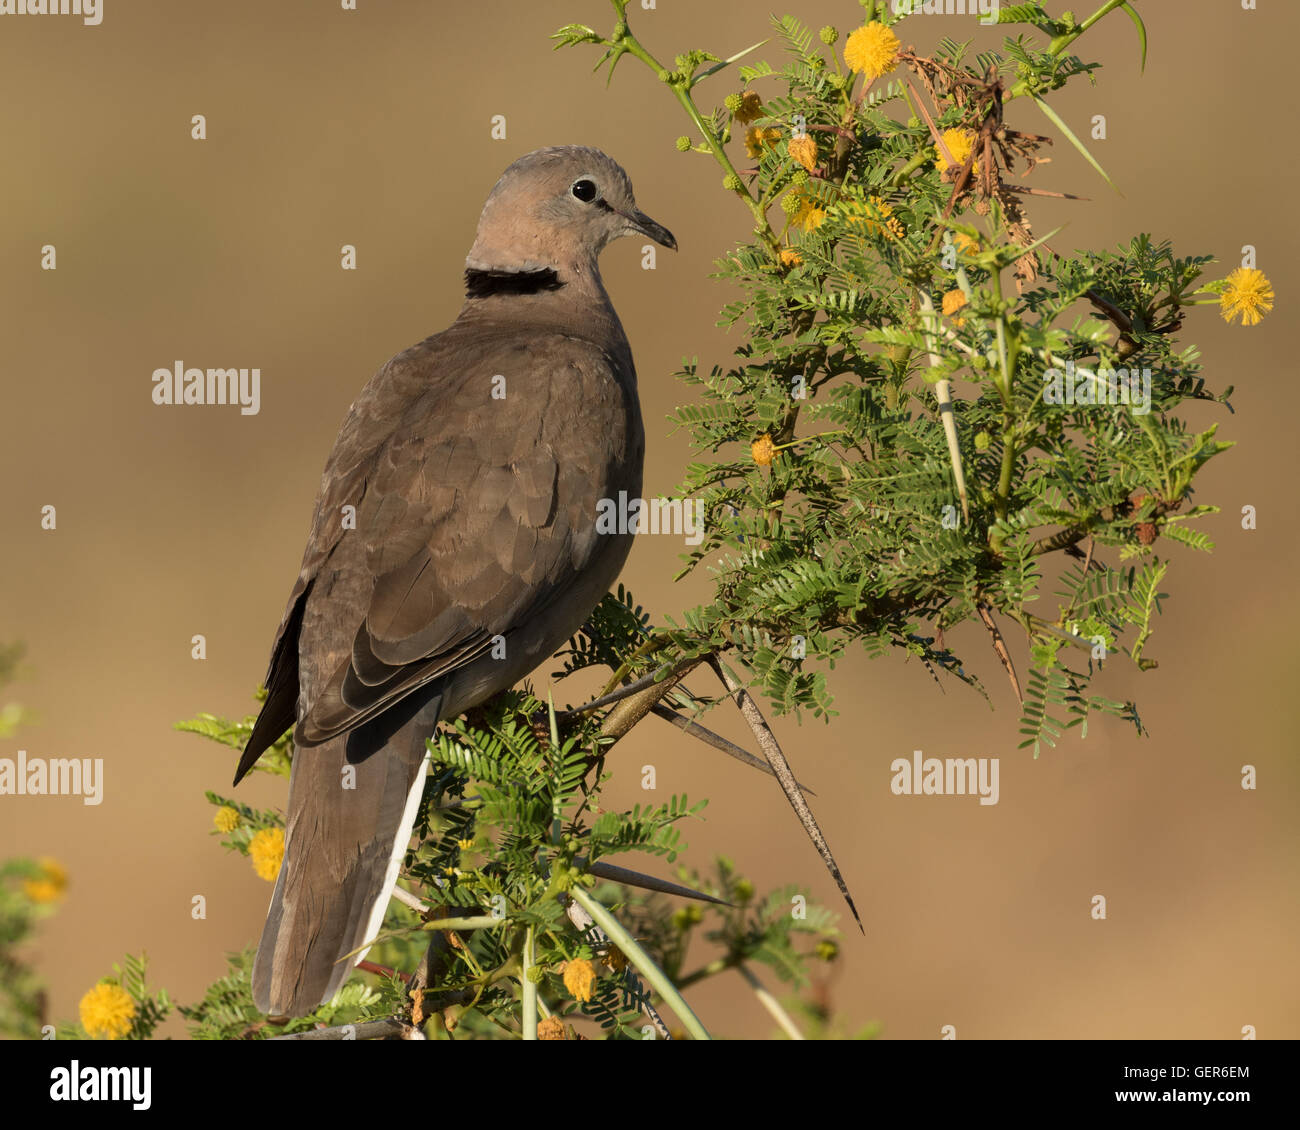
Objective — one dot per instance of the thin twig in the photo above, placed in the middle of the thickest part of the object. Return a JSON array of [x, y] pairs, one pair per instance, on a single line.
[[402, 895], [367, 1030], [382, 970], [769, 1002], [999, 645], [626, 714], [615, 696], [1087, 560]]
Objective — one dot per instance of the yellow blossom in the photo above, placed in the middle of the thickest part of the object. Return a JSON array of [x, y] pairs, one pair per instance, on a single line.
[[807, 213], [953, 301], [615, 959], [872, 50], [550, 1028], [226, 819], [464, 845], [964, 244], [751, 108], [580, 979], [827, 950], [791, 258], [804, 150], [959, 143], [1249, 294], [50, 884], [684, 917], [763, 450], [107, 1011], [756, 138], [267, 852], [878, 217]]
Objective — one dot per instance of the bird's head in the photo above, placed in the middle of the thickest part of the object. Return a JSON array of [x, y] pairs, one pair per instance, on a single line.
[[556, 209]]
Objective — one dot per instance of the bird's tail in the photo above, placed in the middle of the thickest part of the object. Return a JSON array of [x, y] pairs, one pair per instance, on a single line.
[[352, 803]]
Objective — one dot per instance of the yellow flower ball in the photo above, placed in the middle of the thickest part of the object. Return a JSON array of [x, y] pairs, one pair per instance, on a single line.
[[266, 849], [50, 885], [751, 108], [807, 214], [550, 1028], [763, 450], [756, 139], [1249, 295], [107, 1011], [804, 150], [872, 51], [791, 258], [226, 819], [959, 143], [580, 979], [827, 950]]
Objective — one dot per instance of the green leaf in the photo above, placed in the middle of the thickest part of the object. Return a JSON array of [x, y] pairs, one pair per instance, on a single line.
[[1141, 30], [1060, 124]]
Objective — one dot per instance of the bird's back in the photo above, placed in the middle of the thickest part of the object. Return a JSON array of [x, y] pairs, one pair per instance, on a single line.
[[457, 510]]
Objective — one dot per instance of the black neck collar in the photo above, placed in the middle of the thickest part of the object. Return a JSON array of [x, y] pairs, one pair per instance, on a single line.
[[484, 284]]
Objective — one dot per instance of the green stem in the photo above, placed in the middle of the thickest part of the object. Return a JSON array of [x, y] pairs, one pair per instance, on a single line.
[[1061, 42], [482, 922], [1005, 364], [647, 647], [1009, 452], [680, 86], [530, 989], [631, 949], [769, 1002], [714, 967]]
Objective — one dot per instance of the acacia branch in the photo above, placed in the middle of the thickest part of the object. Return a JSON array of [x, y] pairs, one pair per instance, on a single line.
[[390, 1029]]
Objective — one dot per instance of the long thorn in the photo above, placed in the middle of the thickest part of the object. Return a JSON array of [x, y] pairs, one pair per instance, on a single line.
[[615, 696], [717, 741], [631, 878], [776, 758]]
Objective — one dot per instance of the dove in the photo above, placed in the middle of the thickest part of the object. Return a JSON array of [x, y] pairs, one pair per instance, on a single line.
[[453, 548]]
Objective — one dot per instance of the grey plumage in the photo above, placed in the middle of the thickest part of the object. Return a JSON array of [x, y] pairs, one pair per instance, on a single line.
[[475, 517]]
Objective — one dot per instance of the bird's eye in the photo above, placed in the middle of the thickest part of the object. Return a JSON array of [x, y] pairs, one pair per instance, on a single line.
[[584, 190]]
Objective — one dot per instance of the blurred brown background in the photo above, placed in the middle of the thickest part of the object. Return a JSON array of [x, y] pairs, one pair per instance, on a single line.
[[328, 127]]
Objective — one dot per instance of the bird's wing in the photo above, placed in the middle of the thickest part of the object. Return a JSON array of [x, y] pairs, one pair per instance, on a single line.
[[475, 505]]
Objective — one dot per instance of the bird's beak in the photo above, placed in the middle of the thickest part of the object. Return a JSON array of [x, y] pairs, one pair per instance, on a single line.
[[642, 223]]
